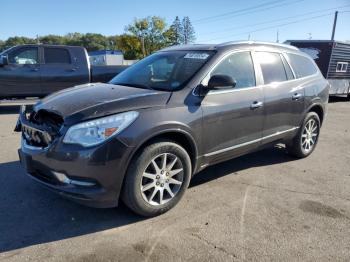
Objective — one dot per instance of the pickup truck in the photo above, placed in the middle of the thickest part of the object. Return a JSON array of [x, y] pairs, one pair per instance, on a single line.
[[39, 70]]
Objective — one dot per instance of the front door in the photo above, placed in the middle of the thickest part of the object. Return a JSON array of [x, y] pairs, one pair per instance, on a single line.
[[21, 77], [233, 118]]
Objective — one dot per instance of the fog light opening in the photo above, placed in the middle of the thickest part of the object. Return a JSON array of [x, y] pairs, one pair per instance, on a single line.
[[65, 180]]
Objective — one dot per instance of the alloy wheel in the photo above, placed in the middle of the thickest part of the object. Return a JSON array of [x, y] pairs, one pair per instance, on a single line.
[[162, 179], [309, 135]]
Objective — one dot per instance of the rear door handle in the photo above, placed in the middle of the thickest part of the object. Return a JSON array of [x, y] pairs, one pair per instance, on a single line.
[[297, 96], [35, 69], [256, 105]]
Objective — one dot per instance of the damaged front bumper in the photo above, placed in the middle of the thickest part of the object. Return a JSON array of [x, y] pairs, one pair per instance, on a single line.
[[92, 176]]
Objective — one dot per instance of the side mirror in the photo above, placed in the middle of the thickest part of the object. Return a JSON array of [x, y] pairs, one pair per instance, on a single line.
[[221, 81], [4, 60]]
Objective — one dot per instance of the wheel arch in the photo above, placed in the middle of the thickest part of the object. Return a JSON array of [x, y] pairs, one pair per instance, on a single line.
[[179, 136], [318, 109]]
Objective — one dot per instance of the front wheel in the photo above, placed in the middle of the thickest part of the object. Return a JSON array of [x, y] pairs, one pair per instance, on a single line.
[[157, 178], [306, 140]]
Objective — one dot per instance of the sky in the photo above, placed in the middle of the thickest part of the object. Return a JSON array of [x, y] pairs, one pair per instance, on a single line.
[[214, 21]]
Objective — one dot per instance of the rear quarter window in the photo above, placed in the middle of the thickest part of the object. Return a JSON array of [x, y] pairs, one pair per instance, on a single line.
[[56, 56], [301, 65]]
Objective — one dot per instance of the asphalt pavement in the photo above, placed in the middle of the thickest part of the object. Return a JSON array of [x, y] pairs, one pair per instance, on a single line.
[[265, 206]]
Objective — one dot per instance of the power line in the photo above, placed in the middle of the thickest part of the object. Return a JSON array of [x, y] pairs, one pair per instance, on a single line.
[[220, 17], [275, 20], [275, 26], [238, 11]]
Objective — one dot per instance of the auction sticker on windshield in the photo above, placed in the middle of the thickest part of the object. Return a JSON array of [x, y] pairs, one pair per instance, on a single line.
[[202, 56]]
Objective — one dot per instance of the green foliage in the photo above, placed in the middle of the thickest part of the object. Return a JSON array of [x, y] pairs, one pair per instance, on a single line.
[[188, 32], [174, 34], [151, 33], [130, 45], [17, 40], [141, 38]]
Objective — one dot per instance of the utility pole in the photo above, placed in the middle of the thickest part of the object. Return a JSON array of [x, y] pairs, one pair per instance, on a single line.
[[278, 36], [249, 37], [334, 24]]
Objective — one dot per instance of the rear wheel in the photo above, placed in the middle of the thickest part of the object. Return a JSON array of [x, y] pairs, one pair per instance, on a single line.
[[306, 140], [157, 178]]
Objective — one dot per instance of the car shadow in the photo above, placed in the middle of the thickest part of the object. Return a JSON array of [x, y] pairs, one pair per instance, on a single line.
[[31, 214], [335, 99], [266, 157], [9, 109]]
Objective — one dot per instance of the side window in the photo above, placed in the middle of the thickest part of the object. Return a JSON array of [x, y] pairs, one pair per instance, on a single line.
[[56, 56], [24, 56], [301, 65], [272, 67], [240, 67], [342, 67]]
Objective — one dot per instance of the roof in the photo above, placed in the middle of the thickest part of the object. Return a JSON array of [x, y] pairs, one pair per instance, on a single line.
[[208, 47], [316, 41], [106, 52], [48, 45]]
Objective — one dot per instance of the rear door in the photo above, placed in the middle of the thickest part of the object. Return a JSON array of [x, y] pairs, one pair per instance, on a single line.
[[283, 97], [232, 118], [59, 71], [21, 77]]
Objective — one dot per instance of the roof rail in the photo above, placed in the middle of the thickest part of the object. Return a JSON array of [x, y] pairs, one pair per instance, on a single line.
[[258, 42]]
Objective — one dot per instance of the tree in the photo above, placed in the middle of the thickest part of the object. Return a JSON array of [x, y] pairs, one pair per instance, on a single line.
[[174, 34], [2, 45], [188, 33], [93, 42], [142, 37], [129, 45], [18, 40], [150, 32], [53, 40]]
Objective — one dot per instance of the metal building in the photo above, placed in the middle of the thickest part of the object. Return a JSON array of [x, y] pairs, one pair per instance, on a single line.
[[333, 59]]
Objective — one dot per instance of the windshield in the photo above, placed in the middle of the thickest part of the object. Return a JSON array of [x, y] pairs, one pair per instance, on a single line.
[[167, 71], [6, 51]]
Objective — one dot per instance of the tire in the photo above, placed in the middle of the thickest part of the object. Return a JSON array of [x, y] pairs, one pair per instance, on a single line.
[[142, 174], [304, 143]]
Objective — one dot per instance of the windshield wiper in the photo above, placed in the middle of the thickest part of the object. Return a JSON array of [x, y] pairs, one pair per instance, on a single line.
[[134, 85]]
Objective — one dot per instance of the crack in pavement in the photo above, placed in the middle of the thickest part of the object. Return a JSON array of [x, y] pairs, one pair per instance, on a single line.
[[293, 191], [207, 242]]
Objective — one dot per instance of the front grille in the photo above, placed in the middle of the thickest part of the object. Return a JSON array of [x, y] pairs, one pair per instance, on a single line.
[[44, 117], [39, 128]]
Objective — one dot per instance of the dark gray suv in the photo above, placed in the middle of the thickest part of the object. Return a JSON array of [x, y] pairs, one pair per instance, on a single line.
[[143, 136]]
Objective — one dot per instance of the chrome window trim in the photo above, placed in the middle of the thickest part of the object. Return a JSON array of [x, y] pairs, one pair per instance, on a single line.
[[218, 62], [284, 54], [249, 142]]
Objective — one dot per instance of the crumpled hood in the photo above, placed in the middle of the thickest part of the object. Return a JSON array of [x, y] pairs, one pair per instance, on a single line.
[[96, 100]]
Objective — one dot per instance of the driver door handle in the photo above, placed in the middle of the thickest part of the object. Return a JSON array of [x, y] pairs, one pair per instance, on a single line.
[[256, 105], [35, 69], [297, 96]]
